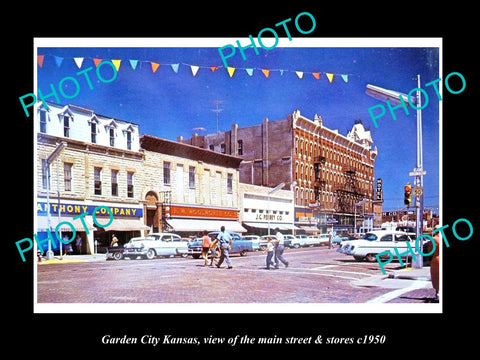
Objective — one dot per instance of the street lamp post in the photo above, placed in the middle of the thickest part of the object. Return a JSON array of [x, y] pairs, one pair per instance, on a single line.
[[48, 162], [386, 95], [360, 203]]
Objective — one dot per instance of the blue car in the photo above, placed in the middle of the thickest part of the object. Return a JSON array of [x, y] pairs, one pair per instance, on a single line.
[[238, 246]]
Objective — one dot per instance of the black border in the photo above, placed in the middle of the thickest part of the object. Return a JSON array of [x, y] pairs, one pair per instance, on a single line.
[[407, 334]]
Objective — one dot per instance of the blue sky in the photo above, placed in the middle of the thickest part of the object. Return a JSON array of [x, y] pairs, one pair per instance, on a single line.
[[168, 104]]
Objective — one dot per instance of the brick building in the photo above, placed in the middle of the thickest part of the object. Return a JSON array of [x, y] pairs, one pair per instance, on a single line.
[[328, 172]]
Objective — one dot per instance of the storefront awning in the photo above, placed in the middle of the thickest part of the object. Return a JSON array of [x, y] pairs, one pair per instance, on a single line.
[[42, 223], [126, 225], [281, 226], [209, 225], [309, 229]]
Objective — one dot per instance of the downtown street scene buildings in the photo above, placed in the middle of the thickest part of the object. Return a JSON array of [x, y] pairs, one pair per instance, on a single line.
[[186, 186]]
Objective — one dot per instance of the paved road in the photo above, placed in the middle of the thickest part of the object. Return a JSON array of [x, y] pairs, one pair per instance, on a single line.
[[315, 275]]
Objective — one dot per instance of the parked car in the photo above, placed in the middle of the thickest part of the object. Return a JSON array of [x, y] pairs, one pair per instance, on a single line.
[[313, 240], [238, 246], [337, 239], [264, 241], [288, 240], [375, 242], [156, 244], [255, 239], [299, 240], [323, 239]]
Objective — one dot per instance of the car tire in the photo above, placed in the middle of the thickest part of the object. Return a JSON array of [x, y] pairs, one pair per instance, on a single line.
[[118, 255], [243, 253], [150, 254], [371, 258], [296, 246]]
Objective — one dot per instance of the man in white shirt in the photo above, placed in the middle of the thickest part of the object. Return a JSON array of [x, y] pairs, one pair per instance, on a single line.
[[279, 248]]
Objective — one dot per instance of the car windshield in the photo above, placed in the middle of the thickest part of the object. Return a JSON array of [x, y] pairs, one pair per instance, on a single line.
[[369, 237]]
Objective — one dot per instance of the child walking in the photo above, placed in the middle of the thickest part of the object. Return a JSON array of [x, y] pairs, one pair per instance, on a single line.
[[206, 242], [270, 250]]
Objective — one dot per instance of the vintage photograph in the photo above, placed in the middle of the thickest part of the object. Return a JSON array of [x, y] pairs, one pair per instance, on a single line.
[[258, 174]]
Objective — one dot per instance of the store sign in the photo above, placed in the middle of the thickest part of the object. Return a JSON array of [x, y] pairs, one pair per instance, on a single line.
[[77, 209], [187, 211]]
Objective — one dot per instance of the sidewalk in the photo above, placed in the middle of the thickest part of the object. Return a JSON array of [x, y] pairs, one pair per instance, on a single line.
[[65, 259], [395, 279]]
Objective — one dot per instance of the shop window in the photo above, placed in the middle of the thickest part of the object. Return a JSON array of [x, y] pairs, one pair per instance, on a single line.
[[166, 173], [93, 132], [66, 126], [43, 121], [67, 176], [130, 184], [191, 177], [114, 177], [229, 183], [97, 174], [240, 147]]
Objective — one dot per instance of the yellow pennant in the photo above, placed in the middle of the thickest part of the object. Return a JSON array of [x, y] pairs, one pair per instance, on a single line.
[[230, 70], [330, 77], [116, 63]]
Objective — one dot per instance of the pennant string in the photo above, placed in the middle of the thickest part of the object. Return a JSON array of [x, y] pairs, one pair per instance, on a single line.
[[41, 60]]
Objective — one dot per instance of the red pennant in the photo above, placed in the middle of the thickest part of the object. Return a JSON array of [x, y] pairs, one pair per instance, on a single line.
[[97, 61], [40, 60]]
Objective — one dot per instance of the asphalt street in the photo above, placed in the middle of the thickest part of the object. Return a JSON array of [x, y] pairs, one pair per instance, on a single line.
[[314, 275]]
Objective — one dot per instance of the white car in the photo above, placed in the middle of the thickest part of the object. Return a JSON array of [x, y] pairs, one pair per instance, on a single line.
[[299, 241], [375, 242], [156, 244], [255, 239]]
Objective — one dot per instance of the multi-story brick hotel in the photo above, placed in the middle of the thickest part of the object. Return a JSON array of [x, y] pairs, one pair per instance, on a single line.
[[329, 173]]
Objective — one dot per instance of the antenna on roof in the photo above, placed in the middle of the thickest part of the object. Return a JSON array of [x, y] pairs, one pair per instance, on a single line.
[[217, 110]]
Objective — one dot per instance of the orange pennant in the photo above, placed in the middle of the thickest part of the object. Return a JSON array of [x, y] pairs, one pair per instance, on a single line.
[[213, 68], [97, 61], [154, 66], [40, 60], [266, 72], [316, 75]]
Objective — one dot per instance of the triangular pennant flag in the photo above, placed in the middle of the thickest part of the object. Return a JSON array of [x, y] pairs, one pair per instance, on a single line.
[[116, 63], [154, 66], [40, 60], [330, 77], [133, 64], [345, 78], [175, 67], [316, 75], [299, 74], [230, 70], [194, 69], [281, 72], [213, 68], [97, 61], [249, 71], [78, 61], [58, 60], [266, 72]]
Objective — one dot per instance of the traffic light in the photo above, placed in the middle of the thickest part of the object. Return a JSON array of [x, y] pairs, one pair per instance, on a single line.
[[407, 200]]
